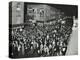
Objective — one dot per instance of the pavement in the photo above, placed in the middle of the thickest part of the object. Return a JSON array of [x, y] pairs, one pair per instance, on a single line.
[[73, 43]]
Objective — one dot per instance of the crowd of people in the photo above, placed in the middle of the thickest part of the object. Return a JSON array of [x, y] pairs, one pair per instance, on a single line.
[[41, 39]]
